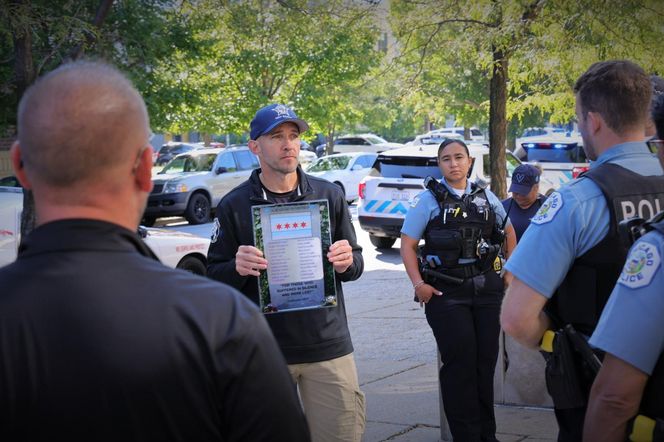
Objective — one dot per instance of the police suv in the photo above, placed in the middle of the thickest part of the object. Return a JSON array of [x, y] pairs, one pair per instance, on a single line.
[[397, 177]]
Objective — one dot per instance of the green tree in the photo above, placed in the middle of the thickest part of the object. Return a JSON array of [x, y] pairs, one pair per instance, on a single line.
[[39, 35], [310, 55], [523, 56]]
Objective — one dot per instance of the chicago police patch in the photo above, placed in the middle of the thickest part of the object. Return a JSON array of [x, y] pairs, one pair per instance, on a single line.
[[549, 209], [216, 230], [414, 201], [641, 265]]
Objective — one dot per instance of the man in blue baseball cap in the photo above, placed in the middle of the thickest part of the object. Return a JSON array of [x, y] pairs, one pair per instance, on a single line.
[[525, 193], [316, 342]]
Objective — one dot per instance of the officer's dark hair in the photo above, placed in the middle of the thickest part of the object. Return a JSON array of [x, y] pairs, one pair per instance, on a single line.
[[447, 141], [658, 114], [618, 90]]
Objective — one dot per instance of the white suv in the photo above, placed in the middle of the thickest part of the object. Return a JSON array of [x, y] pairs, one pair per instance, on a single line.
[[359, 143], [398, 176], [193, 183]]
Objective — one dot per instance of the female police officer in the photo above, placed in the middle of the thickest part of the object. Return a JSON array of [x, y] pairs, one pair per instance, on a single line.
[[461, 225]]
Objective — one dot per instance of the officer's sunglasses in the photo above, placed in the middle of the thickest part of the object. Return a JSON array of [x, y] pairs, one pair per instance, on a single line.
[[653, 145]]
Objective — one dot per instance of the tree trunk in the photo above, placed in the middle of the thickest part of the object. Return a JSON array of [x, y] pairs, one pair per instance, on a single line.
[[329, 145], [498, 122], [102, 12]]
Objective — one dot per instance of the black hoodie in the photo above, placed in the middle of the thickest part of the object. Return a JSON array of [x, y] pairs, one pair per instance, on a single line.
[[303, 336]]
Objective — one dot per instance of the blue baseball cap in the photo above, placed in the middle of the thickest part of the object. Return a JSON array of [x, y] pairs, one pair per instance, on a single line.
[[524, 177], [271, 116]]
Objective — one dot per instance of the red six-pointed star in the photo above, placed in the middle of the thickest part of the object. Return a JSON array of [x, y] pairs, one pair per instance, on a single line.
[[278, 226], [287, 226]]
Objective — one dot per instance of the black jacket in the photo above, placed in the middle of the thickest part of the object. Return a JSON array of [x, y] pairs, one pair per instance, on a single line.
[[99, 341], [304, 336]]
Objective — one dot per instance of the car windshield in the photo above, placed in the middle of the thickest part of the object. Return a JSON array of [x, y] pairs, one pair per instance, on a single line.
[[187, 163], [375, 140], [329, 163]]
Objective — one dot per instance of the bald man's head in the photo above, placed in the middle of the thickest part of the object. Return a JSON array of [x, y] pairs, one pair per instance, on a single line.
[[82, 123]]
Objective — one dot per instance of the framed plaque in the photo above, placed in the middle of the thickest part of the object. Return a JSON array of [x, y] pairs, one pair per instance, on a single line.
[[294, 238]]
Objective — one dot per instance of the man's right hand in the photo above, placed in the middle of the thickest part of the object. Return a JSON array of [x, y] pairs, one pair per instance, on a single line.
[[249, 261]]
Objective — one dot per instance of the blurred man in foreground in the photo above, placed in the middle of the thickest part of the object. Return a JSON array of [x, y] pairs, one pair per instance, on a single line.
[[98, 340]]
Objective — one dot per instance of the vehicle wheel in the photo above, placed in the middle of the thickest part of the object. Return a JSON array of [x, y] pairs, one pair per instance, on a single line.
[[148, 221], [382, 242], [193, 265], [198, 209]]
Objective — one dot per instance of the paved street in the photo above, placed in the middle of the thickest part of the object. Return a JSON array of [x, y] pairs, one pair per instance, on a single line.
[[396, 357]]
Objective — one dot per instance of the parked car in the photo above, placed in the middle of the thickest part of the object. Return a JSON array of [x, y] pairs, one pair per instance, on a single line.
[[175, 249], [429, 138], [170, 150], [346, 170], [398, 176], [359, 143], [193, 183], [475, 133], [306, 157]]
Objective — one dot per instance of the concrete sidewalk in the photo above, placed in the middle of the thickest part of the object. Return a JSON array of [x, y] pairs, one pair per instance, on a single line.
[[396, 358]]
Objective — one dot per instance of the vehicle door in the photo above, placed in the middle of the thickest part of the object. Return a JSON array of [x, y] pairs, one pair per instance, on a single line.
[[224, 176], [246, 163]]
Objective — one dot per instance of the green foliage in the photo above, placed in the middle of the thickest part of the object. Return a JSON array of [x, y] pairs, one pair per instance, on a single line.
[[135, 36], [311, 55], [447, 46]]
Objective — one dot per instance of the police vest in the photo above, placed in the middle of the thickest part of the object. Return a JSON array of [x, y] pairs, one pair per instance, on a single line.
[[583, 293], [652, 404], [463, 224]]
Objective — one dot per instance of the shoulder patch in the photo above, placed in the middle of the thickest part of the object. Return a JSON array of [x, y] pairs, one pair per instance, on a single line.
[[414, 201], [549, 209], [640, 266], [216, 230]]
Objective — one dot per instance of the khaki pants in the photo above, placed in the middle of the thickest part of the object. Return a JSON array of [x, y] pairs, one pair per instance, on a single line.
[[332, 400]]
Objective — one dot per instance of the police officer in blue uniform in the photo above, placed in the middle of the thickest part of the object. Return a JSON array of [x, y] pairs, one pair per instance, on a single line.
[[630, 331], [461, 223], [525, 200], [575, 231]]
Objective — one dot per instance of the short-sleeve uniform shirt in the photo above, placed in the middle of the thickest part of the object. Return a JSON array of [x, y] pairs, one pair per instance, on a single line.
[[572, 221], [632, 323]]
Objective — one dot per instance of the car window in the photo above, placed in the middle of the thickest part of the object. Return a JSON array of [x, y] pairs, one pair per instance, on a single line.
[[329, 163], [475, 132], [10, 181], [406, 167], [366, 160], [246, 160], [176, 165], [227, 161], [375, 140], [345, 141], [512, 163]]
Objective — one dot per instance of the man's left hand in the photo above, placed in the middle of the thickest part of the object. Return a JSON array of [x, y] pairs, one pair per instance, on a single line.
[[340, 255]]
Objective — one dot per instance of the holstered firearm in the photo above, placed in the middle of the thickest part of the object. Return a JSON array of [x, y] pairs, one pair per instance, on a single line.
[[571, 367]]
